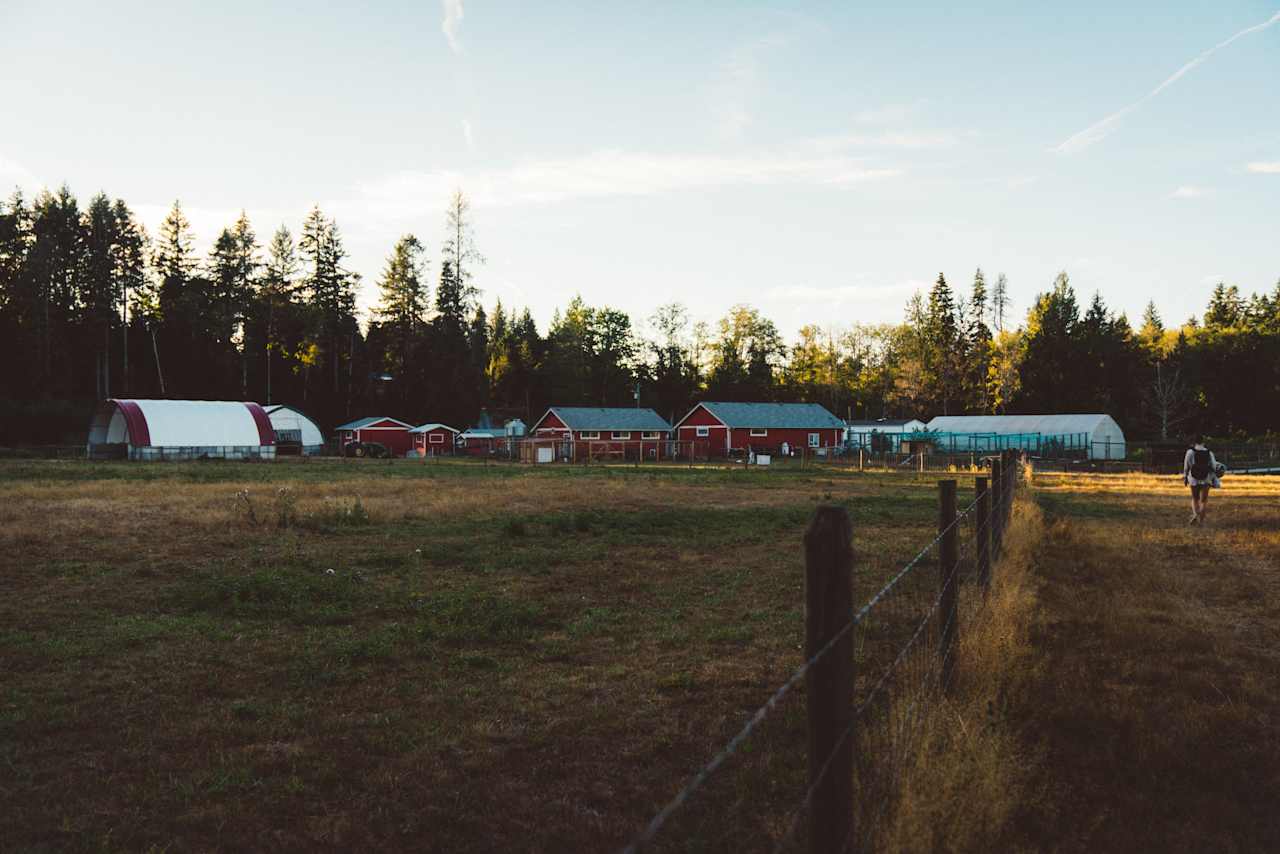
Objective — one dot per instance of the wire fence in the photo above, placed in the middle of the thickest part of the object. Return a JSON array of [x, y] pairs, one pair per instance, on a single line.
[[871, 676]]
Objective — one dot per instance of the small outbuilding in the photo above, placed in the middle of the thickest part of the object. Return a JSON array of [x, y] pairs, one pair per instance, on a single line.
[[881, 434], [761, 427], [180, 430], [295, 432], [1096, 435], [433, 440], [391, 433]]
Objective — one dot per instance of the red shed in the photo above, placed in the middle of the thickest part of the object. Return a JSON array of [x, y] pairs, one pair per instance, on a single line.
[[760, 427], [389, 432], [433, 440]]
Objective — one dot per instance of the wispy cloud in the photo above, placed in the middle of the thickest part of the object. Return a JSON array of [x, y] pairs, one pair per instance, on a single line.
[[736, 81], [1186, 191], [452, 23], [889, 139], [467, 134], [1265, 168], [606, 173], [1101, 129]]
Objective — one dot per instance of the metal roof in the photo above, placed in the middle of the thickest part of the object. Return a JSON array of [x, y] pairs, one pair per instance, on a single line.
[[608, 418], [427, 428], [365, 422], [779, 416]]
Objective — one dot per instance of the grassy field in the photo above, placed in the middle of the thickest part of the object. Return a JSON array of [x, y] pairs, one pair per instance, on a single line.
[[458, 658], [1155, 711], [448, 657]]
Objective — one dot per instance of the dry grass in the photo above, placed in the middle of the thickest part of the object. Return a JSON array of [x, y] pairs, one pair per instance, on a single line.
[[500, 659], [1157, 704], [967, 768]]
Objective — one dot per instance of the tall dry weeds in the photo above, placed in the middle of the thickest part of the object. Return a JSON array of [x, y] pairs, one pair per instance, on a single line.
[[967, 770]]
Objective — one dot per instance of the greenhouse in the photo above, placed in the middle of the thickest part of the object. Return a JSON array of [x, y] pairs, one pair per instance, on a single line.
[[1092, 436]]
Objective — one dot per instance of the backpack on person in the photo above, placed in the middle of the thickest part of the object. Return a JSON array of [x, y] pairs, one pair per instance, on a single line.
[[1200, 463]]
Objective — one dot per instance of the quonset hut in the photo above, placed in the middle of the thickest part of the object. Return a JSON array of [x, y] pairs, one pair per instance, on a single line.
[[180, 430], [295, 432], [1096, 435]]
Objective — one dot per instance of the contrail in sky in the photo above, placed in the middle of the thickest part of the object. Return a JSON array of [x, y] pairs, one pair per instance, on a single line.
[[1095, 132]]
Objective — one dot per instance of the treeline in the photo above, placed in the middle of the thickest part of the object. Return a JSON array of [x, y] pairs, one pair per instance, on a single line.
[[91, 306]]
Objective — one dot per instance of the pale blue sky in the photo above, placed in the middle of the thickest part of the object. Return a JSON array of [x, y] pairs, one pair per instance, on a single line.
[[819, 161]]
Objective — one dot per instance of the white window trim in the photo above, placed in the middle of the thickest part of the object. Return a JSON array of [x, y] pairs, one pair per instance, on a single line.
[[436, 438], [702, 432], [756, 431], [589, 434], [651, 434], [620, 435], [815, 440]]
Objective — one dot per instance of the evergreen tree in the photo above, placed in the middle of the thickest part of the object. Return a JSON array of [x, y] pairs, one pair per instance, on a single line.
[[977, 367], [330, 290], [402, 307], [278, 286]]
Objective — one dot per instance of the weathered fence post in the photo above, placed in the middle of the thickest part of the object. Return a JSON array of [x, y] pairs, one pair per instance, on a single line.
[[982, 531], [948, 579], [997, 506], [828, 588]]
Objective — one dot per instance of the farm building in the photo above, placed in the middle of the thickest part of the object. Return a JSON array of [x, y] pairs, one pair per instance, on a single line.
[[761, 427], [485, 438], [388, 432], [295, 432], [880, 435], [180, 429], [433, 440], [1096, 436], [589, 432]]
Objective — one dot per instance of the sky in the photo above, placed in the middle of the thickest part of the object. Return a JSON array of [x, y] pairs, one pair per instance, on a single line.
[[819, 161]]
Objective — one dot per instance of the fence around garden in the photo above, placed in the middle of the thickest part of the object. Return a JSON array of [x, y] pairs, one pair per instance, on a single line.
[[871, 673]]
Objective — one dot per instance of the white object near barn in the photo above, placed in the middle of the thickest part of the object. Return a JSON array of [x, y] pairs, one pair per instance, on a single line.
[[546, 454], [294, 428]]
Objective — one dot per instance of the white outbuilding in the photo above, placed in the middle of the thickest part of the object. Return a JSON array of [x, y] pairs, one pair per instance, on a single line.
[[1097, 434], [294, 430], [181, 429]]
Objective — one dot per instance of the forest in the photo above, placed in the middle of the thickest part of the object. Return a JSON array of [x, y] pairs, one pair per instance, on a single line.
[[92, 306]]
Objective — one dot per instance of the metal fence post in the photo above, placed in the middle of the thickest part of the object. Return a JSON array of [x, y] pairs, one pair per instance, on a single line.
[[982, 531], [948, 579], [998, 485], [828, 560]]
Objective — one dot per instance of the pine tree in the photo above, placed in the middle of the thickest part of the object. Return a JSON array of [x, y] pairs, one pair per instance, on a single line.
[[130, 273], [977, 367], [402, 306], [460, 245], [278, 286], [999, 303], [330, 287], [100, 289]]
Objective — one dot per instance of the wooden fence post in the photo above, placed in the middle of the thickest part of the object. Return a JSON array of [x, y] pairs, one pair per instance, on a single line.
[[982, 531], [828, 586], [948, 580]]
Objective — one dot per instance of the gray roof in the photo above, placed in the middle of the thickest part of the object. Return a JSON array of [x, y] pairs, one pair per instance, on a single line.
[[609, 418], [365, 422], [799, 416]]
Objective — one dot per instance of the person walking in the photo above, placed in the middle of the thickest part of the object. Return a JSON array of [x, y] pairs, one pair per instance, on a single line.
[[1200, 471]]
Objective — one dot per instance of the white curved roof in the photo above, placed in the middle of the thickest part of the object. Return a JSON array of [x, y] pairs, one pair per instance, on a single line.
[[190, 423], [1093, 424], [288, 418]]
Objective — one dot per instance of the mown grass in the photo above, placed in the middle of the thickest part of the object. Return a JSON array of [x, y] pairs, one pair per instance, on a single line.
[[448, 657]]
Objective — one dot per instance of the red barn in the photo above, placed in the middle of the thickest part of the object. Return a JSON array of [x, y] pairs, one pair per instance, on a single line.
[[388, 432], [587, 431], [433, 440], [760, 427]]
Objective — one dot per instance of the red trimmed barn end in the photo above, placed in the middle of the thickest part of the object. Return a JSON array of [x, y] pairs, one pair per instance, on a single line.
[[585, 432], [433, 440], [391, 433], [732, 428], [180, 430]]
